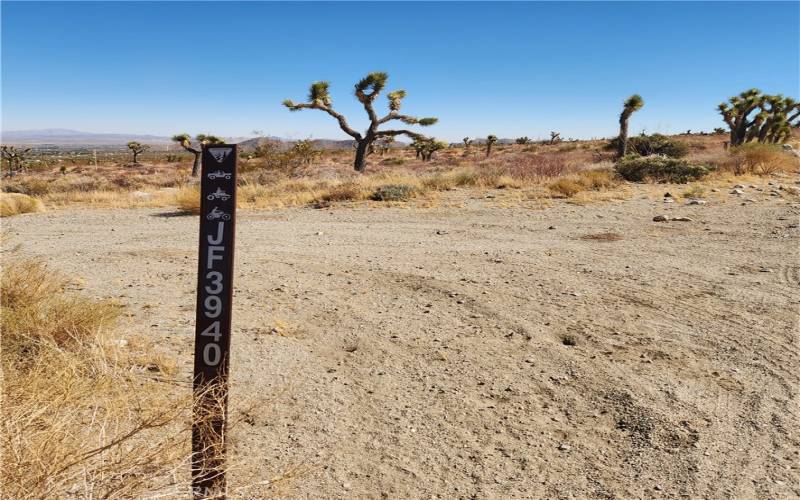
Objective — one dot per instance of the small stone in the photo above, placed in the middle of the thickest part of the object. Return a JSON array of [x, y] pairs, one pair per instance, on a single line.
[[738, 186], [320, 233], [682, 219], [660, 218], [564, 447], [667, 195], [697, 202], [766, 270], [658, 487], [551, 227], [737, 191], [669, 200]]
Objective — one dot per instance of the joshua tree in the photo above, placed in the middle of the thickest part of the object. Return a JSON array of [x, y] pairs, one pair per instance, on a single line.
[[366, 91], [15, 158], [774, 116], [185, 141], [555, 137], [522, 140], [428, 147], [467, 142], [632, 104], [137, 149], [490, 140]]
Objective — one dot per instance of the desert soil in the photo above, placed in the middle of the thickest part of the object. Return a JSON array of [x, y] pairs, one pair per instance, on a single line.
[[478, 352]]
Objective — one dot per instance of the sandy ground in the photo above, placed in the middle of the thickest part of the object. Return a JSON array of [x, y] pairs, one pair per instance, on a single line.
[[476, 352]]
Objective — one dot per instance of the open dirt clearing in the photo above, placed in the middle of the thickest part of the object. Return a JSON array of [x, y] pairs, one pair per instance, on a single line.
[[473, 352]]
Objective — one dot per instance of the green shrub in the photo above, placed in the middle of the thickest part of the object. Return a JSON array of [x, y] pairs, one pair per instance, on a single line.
[[656, 144], [658, 168], [394, 192]]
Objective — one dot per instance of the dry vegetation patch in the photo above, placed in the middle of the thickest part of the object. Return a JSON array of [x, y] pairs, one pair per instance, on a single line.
[[16, 203], [80, 415]]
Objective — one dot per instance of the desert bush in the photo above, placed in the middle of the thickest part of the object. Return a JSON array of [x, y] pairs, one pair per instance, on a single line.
[[346, 191], [32, 186], [187, 199], [394, 192], [760, 159], [587, 180], [17, 203], [658, 168], [395, 162], [655, 144]]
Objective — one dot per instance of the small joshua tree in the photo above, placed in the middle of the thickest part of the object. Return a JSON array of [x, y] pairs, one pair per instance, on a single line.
[[137, 149], [490, 140], [554, 137], [774, 116], [366, 91], [185, 141], [430, 146], [467, 142], [632, 104], [522, 140], [15, 158]]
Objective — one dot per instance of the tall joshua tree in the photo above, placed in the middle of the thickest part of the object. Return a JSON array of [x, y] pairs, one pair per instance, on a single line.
[[366, 91], [774, 116], [185, 140], [137, 148], [632, 104], [490, 140]]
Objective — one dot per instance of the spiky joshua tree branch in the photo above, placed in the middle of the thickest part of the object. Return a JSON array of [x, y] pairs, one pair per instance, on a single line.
[[366, 91]]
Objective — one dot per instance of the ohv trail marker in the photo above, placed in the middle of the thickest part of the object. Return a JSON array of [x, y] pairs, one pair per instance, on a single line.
[[213, 324]]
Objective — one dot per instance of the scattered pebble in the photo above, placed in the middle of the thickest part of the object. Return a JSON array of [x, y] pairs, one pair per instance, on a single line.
[[660, 218], [697, 202], [737, 191]]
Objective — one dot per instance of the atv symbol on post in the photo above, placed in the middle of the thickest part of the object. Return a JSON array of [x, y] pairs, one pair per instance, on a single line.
[[220, 174], [216, 213], [219, 194]]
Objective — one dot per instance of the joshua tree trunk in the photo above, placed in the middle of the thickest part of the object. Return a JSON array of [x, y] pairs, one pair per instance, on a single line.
[[196, 164], [488, 149], [362, 150], [135, 157], [622, 148]]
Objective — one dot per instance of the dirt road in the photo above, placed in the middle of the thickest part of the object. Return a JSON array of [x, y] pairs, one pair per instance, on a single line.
[[485, 352]]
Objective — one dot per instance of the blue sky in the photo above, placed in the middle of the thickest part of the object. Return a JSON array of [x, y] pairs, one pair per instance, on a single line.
[[510, 69]]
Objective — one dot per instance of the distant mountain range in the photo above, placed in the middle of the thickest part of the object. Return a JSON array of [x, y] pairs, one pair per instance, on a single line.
[[66, 137], [73, 138]]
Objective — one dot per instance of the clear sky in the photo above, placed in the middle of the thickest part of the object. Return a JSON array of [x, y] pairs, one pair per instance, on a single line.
[[509, 69]]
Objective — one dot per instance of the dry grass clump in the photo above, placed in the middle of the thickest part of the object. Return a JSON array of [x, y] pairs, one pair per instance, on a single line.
[[759, 159], [80, 416], [17, 203], [187, 199], [587, 180]]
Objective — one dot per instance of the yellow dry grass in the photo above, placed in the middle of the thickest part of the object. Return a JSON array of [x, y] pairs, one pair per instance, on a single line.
[[16, 203], [81, 415], [597, 181]]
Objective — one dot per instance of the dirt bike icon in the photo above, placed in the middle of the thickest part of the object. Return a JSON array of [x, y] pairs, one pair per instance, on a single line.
[[219, 194], [220, 174], [216, 213]]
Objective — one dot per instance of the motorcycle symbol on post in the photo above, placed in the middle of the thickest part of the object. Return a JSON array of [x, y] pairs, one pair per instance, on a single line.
[[219, 194], [216, 213], [220, 174]]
